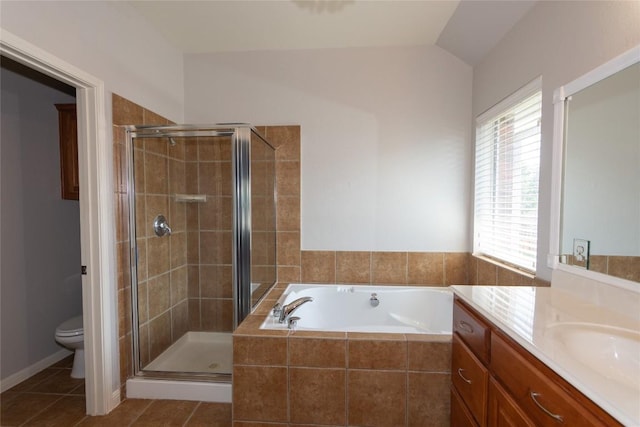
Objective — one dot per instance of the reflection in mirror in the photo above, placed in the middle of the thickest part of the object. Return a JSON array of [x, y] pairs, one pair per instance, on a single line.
[[600, 228]]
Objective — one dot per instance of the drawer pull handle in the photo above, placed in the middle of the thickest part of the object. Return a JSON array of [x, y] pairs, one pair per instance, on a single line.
[[460, 371], [465, 326], [545, 410]]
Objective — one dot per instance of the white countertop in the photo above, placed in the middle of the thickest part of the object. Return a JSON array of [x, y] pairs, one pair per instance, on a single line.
[[530, 316]]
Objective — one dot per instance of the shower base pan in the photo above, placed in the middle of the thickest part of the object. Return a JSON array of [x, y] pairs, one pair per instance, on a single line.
[[194, 353]]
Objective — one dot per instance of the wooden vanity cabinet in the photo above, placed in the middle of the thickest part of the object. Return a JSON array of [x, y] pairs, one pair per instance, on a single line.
[[510, 387], [68, 134]]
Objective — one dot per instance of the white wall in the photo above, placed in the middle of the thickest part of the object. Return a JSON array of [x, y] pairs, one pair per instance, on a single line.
[[385, 137], [40, 232], [109, 40], [560, 41]]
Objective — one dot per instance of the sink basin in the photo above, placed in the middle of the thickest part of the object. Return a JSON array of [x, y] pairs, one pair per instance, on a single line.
[[610, 351]]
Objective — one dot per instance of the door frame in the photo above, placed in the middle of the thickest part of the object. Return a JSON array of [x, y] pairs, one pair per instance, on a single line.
[[97, 220]]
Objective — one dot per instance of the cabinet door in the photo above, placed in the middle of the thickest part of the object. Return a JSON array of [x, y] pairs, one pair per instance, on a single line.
[[68, 134], [469, 377], [460, 416], [503, 411]]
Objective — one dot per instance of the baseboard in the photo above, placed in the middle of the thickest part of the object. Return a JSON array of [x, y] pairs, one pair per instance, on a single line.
[[29, 371]]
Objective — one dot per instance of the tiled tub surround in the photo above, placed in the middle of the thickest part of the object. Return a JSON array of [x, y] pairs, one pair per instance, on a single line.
[[338, 378]]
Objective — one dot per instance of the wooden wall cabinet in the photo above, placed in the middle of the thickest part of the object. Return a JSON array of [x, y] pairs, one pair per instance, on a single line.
[[496, 382], [68, 134]]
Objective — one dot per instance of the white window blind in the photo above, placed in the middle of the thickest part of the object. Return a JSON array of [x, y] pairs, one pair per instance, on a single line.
[[507, 165]]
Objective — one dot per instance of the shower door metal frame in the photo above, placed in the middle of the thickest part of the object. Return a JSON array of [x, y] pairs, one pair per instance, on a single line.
[[241, 241]]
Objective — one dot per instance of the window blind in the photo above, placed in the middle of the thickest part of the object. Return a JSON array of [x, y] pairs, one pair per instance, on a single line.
[[507, 164]]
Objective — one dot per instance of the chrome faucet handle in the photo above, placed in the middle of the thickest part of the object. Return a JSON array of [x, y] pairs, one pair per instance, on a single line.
[[292, 322], [276, 310]]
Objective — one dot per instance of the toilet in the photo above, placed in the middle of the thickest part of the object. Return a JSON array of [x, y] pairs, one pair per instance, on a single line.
[[70, 334]]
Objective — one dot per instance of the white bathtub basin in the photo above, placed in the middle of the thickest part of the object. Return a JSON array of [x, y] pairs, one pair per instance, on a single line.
[[348, 308]]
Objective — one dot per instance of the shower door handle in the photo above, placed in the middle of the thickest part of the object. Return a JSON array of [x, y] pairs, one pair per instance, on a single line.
[[160, 226]]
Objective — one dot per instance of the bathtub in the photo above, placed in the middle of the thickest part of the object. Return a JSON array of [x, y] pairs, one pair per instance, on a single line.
[[348, 308]]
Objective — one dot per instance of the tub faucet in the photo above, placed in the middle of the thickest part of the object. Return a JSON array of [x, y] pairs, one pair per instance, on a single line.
[[288, 309]]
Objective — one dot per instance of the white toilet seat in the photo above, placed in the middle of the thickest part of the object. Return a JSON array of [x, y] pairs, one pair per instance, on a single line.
[[70, 328]]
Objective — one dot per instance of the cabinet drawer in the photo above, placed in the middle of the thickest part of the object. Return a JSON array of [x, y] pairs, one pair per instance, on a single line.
[[537, 390], [503, 411], [460, 416], [469, 378], [473, 331]]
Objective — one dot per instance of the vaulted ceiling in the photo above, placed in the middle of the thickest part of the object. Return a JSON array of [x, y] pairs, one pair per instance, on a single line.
[[467, 29]]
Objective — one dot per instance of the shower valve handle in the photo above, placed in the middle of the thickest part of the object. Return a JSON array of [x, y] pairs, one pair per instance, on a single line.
[[160, 226]]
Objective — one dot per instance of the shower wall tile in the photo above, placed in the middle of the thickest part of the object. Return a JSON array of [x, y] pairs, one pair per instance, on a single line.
[[177, 217], [353, 267], [194, 314], [125, 112], [123, 271], [216, 314], [318, 266], [286, 141], [143, 303], [159, 334], [216, 213], [193, 281], [216, 247], [155, 174], [193, 247], [216, 281], [215, 178], [145, 354], [150, 118], [156, 146], [288, 178], [159, 294], [177, 151], [142, 270], [288, 248], [179, 320], [289, 220], [178, 249], [288, 274], [179, 285], [157, 256], [214, 148], [177, 177]]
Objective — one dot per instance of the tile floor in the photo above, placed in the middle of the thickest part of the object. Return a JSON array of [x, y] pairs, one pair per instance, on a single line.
[[52, 398]]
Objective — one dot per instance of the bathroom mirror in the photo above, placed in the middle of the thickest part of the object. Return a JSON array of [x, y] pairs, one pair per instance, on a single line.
[[597, 171]]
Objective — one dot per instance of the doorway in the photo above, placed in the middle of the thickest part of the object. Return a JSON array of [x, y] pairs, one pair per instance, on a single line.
[[96, 220]]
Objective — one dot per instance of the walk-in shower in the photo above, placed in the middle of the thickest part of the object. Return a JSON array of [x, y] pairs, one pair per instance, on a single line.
[[203, 244]]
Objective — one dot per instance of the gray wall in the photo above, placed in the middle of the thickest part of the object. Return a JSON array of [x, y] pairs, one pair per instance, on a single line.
[[559, 40], [40, 232]]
